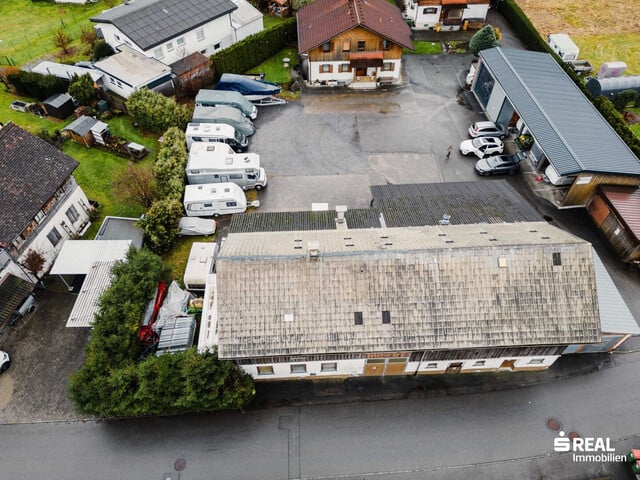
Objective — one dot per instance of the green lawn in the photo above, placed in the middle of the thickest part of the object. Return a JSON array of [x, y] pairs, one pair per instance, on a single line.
[[635, 128], [607, 48], [424, 48], [28, 29], [270, 21], [274, 68]]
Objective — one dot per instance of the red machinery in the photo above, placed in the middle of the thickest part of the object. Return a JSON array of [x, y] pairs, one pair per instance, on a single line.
[[146, 334]]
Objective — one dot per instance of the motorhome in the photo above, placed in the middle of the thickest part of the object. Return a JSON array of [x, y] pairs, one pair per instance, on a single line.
[[201, 263], [214, 98], [223, 114], [214, 199], [563, 46], [242, 169], [216, 132]]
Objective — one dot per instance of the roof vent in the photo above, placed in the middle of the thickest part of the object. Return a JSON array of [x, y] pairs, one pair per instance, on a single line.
[[288, 317], [247, 159], [502, 262], [544, 237], [492, 239], [340, 211], [313, 248], [446, 219], [448, 241]]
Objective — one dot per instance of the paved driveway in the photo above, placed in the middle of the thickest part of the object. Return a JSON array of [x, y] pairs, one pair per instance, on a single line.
[[344, 141]]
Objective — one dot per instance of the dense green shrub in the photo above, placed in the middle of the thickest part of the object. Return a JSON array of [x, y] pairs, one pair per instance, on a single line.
[[169, 166], [155, 112], [483, 39], [81, 88], [101, 49], [255, 49], [160, 224], [113, 382], [36, 85], [624, 99], [614, 117]]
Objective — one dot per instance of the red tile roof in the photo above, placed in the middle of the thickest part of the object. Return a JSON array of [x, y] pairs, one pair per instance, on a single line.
[[626, 201], [322, 20]]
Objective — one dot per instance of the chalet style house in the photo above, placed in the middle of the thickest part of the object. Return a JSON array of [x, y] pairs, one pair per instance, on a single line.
[[446, 15], [352, 42]]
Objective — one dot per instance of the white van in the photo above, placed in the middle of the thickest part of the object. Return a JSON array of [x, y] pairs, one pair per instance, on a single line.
[[214, 199], [216, 132], [201, 263], [242, 169], [563, 46]]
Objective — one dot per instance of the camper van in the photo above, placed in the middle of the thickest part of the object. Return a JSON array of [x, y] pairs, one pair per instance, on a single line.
[[210, 148], [563, 46], [242, 169], [201, 263], [216, 132], [214, 199], [214, 98], [227, 115]]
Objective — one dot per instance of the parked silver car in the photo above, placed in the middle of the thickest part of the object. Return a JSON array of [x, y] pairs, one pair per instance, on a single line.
[[488, 129]]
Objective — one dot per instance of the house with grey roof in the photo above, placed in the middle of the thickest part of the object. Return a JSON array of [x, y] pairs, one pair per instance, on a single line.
[[41, 205], [405, 301], [573, 144], [168, 30]]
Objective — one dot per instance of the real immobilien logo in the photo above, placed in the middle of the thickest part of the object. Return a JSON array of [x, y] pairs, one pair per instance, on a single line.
[[587, 449]]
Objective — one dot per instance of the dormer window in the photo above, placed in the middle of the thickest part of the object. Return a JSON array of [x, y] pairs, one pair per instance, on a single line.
[[326, 47]]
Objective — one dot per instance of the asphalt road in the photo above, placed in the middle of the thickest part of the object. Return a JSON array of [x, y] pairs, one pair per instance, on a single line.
[[501, 435]]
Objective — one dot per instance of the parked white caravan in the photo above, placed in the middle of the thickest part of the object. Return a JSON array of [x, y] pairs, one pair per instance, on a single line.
[[212, 148], [201, 263], [242, 169], [224, 114], [216, 132], [214, 199], [563, 46]]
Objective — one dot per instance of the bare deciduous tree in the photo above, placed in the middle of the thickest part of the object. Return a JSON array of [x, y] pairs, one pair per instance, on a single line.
[[137, 184]]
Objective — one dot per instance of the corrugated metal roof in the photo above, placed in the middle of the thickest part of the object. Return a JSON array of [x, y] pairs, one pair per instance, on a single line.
[[444, 287], [81, 125], [615, 316], [62, 70], [151, 22], [465, 202], [77, 257], [569, 129], [626, 201], [84, 309], [177, 334]]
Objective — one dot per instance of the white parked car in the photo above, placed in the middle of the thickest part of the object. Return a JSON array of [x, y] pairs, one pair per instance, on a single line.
[[5, 361], [482, 147], [487, 129]]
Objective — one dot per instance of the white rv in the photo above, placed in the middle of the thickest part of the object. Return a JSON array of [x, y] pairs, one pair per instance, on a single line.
[[563, 46], [216, 132], [214, 199], [201, 263], [242, 169], [198, 148]]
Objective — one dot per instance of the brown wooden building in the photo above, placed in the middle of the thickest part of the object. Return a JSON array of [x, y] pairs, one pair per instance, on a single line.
[[352, 42]]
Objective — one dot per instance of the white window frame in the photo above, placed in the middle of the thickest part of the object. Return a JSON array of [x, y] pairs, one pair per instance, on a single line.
[[200, 34], [158, 53], [329, 367], [298, 368], [169, 46], [180, 41], [56, 234]]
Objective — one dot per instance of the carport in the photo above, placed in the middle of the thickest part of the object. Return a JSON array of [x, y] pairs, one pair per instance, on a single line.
[[573, 144], [92, 259]]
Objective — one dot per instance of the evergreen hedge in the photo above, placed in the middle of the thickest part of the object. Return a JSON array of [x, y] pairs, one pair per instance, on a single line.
[[255, 49], [36, 85], [114, 383]]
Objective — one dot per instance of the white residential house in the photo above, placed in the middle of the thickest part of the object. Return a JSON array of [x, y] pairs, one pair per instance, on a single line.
[[41, 203], [445, 15], [168, 30], [128, 71]]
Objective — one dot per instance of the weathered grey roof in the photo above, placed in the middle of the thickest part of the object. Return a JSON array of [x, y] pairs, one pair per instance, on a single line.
[[132, 67], [13, 291], [81, 125], [568, 128], [442, 285], [31, 170], [615, 316], [307, 220], [121, 228], [151, 22], [465, 202]]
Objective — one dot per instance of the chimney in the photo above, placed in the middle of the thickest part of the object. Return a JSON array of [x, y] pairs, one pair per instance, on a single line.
[[340, 211], [313, 249], [445, 219]]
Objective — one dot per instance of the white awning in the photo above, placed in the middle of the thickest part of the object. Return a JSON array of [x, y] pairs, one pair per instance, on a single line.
[[98, 280], [78, 256]]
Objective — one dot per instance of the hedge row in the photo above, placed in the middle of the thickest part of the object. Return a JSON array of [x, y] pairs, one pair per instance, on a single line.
[[533, 41], [112, 382], [36, 85], [254, 49]]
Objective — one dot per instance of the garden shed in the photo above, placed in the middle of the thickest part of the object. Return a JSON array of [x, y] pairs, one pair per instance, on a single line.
[[59, 105], [82, 130]]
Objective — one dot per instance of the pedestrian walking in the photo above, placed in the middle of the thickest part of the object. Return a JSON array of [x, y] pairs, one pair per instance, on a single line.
[[449, 150]]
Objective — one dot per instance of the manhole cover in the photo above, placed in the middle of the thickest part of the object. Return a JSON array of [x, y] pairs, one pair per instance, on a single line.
[[554, 424], [573, 435], [179, 464]]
